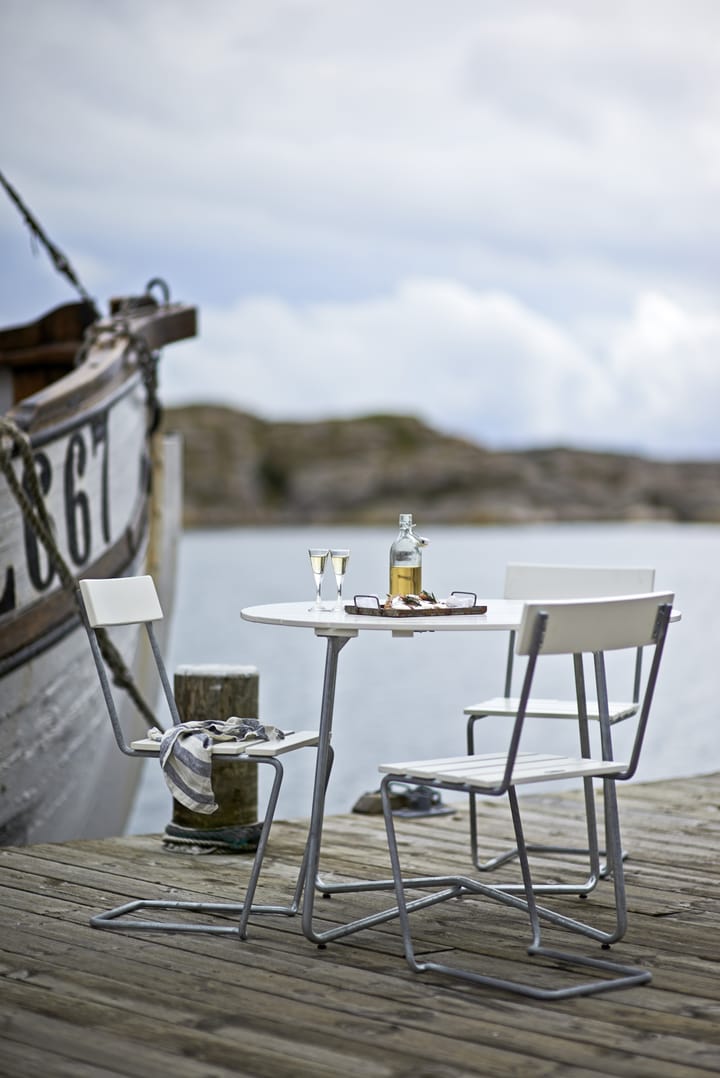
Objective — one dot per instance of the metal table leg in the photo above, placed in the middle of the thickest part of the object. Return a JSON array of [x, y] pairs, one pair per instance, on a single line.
[[313, 882]]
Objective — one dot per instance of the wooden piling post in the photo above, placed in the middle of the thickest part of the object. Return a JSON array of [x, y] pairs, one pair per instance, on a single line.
[[219, 691]]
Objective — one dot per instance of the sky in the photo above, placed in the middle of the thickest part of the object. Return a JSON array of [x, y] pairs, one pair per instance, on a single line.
[[500, 217]]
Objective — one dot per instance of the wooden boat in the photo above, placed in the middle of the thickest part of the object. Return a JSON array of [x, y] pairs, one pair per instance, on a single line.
[[77, 398]]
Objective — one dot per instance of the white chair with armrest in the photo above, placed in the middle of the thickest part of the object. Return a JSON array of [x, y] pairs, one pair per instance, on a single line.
[[126, 601]]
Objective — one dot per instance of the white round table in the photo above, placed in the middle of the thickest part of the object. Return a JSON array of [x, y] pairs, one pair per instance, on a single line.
[[338, 627]]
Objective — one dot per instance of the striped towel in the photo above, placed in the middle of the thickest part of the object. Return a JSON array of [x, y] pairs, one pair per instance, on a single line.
[[186, 755]]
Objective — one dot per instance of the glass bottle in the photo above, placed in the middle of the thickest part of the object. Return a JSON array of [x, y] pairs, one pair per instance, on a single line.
[[406, 559]]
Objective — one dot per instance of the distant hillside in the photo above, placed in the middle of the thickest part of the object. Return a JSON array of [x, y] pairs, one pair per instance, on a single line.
[[243, 470]]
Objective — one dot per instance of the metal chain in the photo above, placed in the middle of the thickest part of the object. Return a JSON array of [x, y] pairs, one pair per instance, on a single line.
[[29, 497]]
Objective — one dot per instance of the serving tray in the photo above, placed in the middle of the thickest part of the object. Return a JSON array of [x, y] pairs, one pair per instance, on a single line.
[[379, 611]]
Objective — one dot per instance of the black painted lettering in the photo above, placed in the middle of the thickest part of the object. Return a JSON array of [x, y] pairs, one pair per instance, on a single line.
[[77, 504], [7, 599], [101, 438], [40, 568]]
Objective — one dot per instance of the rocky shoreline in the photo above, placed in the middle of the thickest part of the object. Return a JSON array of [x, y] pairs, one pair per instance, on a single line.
[[240, 469]]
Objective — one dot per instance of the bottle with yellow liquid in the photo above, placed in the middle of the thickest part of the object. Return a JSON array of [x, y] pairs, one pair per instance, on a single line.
[[406, 559]]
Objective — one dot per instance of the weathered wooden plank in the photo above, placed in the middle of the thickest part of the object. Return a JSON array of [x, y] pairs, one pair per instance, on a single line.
[[25, 1059], [280, 1046], [512, 1021], [355, 1007], [273, 936], [87, 1053], [229, 1042], [212, 884], [270, 954], [89, 901], [173, 1007]]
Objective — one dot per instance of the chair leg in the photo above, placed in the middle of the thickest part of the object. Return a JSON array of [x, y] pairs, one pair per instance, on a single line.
[[515, 890], [248, 907], [601, 872], [616, 855], [622, 976], [592, 851], [403, 909], [612, 825], [118, 918], [502, 858]]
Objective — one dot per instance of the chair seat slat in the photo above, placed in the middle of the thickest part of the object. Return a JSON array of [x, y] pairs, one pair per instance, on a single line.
[[489, 770], [293, 740], [541, 708]]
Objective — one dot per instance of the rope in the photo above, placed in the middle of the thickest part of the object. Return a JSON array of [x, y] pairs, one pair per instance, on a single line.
[[146, 359], [30, 498], [59, 260], [33, 504]]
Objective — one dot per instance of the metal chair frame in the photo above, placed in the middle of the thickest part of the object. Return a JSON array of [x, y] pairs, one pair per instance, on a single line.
[[134, 601], [593, 626], [532, 582]]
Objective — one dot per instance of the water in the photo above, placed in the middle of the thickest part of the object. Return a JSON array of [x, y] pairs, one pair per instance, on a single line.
[[400, 697]]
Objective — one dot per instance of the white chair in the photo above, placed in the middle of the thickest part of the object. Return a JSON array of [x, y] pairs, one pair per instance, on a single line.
[[592, 627], [532, 582], [134, 601]]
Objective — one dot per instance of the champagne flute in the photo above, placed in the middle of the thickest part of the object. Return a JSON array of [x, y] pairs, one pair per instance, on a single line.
[[339, 559], [318, 559]]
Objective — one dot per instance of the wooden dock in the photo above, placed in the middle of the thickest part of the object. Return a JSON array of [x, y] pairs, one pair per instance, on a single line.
[[83, 1003]]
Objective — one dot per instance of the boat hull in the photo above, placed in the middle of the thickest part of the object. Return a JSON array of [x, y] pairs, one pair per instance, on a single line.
[[113, 491]]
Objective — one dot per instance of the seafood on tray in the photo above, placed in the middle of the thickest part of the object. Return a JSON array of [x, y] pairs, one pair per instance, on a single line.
[[426, 599]]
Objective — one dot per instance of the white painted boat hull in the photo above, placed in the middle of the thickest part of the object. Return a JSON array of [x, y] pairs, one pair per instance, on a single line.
[[114, 494]]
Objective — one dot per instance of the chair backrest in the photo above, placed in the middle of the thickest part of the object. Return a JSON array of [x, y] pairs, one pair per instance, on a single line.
[[125, 600], [595, 626], [128, 600], [591, 625], [528, 582], [575, 581]]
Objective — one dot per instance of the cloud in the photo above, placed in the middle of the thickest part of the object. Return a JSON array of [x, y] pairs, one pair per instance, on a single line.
[[664, 362], [477, 364], [287, 124], [501, 216]]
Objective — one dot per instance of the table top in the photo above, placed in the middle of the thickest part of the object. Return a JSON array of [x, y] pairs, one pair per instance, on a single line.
[[501, 614]]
